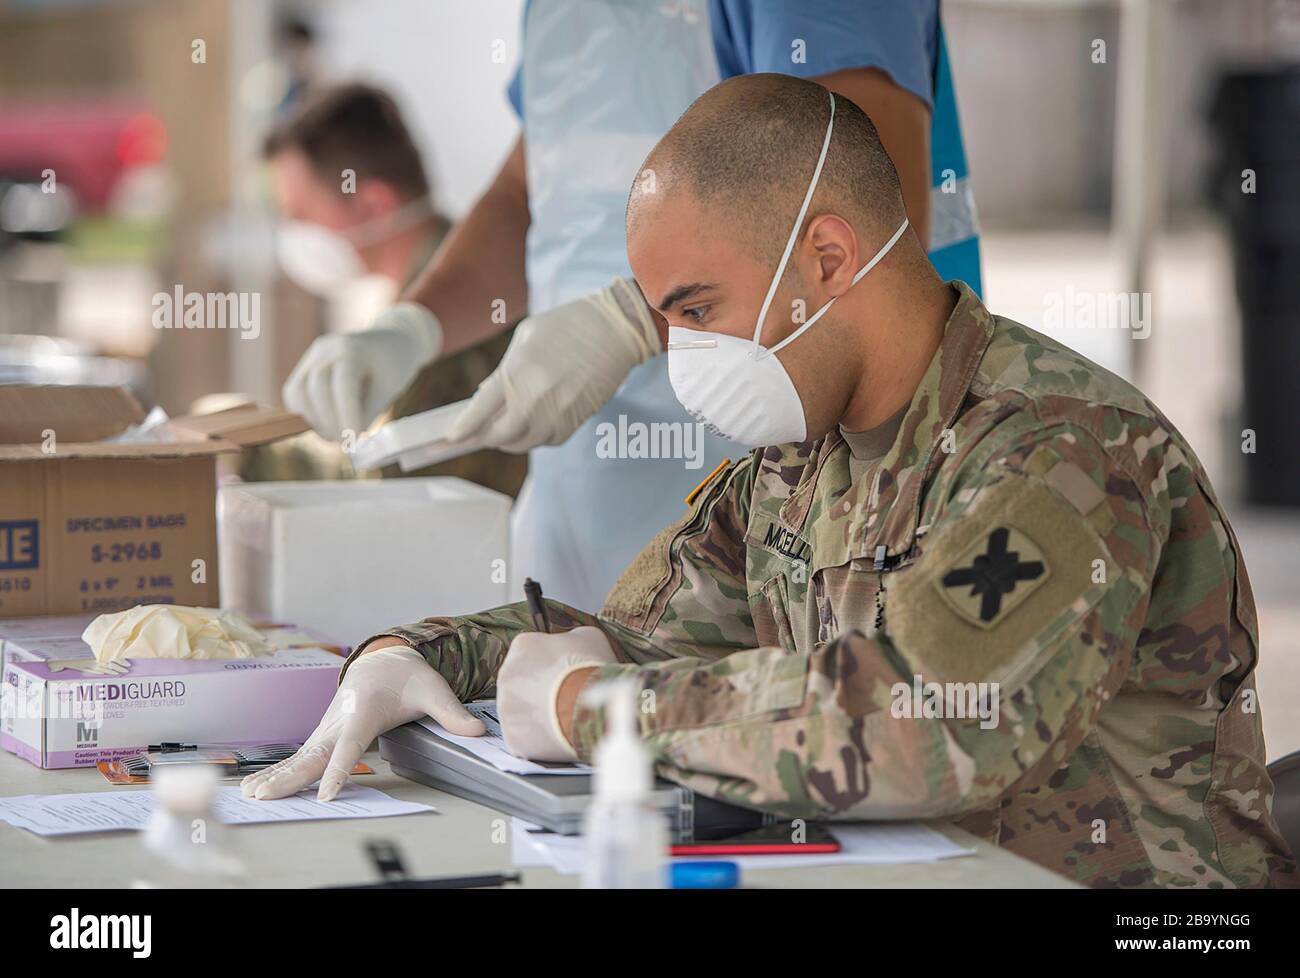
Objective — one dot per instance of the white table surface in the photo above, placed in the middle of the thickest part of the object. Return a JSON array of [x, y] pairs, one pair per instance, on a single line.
[[463, 838]]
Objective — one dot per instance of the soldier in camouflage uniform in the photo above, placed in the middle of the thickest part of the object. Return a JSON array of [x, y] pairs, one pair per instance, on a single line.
[[358, 127], [1127, 699], [1028, 615]]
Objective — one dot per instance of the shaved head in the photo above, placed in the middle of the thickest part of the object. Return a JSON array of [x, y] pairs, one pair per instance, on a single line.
[[708, 220], [746, 150]]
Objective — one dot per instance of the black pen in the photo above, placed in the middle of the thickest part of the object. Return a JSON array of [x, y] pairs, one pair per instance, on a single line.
[[536, 606], [438, 883]]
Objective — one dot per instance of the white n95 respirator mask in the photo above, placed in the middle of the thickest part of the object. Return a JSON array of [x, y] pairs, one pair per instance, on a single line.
[[737, 387], [322, 261], [316, 259]]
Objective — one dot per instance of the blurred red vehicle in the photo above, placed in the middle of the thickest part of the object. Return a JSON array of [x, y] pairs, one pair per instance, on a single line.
[[61, 159]]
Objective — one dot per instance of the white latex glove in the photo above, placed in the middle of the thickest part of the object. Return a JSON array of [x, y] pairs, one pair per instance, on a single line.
[[529, 681], [380, 690], [560, 369], [345, 380]]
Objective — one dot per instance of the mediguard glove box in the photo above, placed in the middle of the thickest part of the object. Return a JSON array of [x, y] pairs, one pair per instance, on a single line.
[[17, 635], [61, 717], [355, 558], [97, 517]]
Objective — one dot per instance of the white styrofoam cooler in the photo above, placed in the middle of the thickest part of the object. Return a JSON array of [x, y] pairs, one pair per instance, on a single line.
[[353, 558]]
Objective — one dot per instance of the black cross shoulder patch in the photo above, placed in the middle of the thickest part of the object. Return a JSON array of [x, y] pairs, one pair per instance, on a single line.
[[993, 576]]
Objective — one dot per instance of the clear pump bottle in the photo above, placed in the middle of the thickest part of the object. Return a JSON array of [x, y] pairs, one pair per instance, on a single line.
[[186, 845], [626, 837]]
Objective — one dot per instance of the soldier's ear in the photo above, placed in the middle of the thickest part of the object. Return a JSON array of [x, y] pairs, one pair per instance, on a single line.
[[832, 253]]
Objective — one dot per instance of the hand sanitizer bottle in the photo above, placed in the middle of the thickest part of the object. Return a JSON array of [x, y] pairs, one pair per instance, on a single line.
[[186, 844], [626, 838]]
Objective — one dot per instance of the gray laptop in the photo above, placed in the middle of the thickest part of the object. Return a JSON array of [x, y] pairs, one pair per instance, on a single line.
[[555, 802]]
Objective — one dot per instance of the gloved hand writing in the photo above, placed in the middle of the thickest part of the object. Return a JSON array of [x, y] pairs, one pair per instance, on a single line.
[[381, 690], [344, 381], [529, 680], [560, 369]]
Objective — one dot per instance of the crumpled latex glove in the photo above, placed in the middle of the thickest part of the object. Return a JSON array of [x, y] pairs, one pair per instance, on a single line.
[[168, 631], [529, 681]]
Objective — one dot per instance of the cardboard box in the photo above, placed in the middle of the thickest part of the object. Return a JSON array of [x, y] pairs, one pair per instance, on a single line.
[[89, 525], [73, 719], [354, 558]]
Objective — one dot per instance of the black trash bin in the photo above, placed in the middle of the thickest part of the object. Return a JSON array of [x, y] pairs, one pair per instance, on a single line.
[[1255, 116]]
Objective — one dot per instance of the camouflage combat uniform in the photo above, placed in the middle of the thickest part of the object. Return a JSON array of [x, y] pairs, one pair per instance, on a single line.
[[1037, 526]]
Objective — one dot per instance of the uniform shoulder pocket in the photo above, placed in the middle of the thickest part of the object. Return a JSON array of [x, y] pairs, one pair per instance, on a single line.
[[641, 593], [996, 588]]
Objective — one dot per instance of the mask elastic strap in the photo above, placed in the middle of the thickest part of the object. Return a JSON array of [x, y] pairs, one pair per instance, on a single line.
[[794, 232], [862, 273]]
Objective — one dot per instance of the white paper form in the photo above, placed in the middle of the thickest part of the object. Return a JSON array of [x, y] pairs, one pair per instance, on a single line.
[[106, 811], [491, 747], [862, 845]]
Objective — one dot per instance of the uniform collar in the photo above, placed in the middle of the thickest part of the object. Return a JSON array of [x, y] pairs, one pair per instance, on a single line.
[[886, 512]]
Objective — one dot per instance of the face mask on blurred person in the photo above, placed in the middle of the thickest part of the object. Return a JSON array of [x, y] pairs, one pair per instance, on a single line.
[[738, 387], [316, 258], [322, 261]]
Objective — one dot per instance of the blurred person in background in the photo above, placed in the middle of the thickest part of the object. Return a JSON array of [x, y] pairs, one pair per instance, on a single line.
[[600, 82], [296, 40], [356, 200]]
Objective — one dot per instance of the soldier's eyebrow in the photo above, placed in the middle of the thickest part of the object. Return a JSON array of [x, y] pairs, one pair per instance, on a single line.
[[684, 292]]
